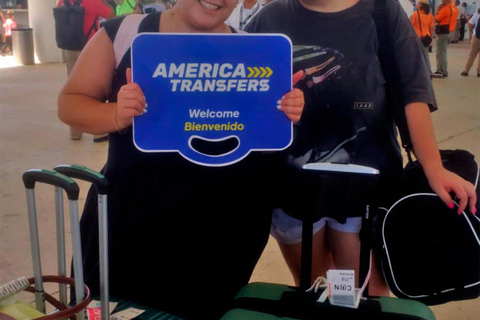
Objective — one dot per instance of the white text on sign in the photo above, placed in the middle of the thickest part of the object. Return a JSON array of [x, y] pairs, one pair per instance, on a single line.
[[216, 77]]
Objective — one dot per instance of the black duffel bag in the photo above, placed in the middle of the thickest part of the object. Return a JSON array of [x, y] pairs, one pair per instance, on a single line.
[[429, 252]]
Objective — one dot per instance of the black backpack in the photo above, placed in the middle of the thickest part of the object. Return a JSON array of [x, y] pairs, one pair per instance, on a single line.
[[69, 20], [429, 252]]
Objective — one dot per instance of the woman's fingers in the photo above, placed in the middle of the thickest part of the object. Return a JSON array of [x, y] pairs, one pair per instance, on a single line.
[[130, 102], [128, 74], [292, 104], [462, 198], [297, 76]]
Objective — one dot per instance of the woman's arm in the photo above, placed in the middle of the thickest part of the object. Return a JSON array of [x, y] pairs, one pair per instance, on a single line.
[[425, 148], [82, 101]]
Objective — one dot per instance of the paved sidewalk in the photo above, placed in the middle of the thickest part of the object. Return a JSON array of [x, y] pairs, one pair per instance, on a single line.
[[31, 136]]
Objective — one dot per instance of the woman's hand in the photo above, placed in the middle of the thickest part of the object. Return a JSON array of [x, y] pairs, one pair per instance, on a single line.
[[130, 103], [443, 182], [293, 102]]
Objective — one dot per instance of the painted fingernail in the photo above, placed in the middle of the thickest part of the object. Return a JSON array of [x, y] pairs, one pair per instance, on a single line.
[[146, 105], [450, 205], [459, 212], [279, 102], [474, 211], [145, 110]]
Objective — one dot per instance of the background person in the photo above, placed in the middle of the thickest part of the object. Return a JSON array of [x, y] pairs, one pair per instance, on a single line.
[[180, 234], [463, 20], [423, 22], [342, 70], [456, 33], [125, 7], [244, 13], [8, 25], [474, 48], [446, 19]]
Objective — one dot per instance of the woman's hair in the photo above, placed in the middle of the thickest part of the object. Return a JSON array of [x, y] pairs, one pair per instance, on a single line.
[[425, 8], [10, 14]]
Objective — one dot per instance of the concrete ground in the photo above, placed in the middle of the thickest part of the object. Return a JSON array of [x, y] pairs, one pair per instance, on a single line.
[[31, 136]]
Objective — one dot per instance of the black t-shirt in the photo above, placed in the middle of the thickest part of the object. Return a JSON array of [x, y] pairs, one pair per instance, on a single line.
[[346, 118]]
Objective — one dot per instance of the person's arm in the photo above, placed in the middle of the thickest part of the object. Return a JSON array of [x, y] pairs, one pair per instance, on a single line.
[[426, 151], [82, 101]]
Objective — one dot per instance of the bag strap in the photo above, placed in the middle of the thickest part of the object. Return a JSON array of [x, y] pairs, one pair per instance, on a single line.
[[128, 2], [386, 51], [420, 23], [93, 27], [127, 31]]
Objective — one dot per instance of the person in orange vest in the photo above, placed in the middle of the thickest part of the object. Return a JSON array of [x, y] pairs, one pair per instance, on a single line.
[[446, 21], [423, 21]]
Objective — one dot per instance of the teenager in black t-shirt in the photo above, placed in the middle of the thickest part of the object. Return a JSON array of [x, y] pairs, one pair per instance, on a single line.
[[347, 119]]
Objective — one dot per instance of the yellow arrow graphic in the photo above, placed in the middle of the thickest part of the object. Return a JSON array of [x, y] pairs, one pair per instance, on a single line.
[[251, 72], [270, 71], [257, 72], [264, 72]]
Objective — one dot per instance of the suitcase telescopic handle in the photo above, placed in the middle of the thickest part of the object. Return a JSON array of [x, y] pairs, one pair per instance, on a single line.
[[341, 168], [54, 178], [368, 173], [101, 184], [86, 174]]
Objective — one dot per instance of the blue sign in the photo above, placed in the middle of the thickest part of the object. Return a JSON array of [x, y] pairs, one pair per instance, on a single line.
[[212, 98]]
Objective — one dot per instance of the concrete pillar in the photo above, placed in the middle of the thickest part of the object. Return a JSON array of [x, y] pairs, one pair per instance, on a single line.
[[41, 20]]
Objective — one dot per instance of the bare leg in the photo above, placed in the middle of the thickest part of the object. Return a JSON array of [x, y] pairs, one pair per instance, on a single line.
[[345, 249], [322, 259]]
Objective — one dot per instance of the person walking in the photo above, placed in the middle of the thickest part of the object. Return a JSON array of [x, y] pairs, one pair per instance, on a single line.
[[446, 21], [474, 51], [423, 21]]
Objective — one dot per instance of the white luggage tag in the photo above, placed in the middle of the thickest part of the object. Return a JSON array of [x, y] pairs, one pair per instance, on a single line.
[[341, 288]]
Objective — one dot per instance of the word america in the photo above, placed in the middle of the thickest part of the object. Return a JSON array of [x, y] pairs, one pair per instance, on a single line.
[[207, 77]]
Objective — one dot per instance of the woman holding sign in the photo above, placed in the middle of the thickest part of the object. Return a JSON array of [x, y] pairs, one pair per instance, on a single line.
[[184, 238], [349, 119]]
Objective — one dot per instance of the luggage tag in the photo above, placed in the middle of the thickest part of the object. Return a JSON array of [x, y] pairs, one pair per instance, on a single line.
[[341, 288]]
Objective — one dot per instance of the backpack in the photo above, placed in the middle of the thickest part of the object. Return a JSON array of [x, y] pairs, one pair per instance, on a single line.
[[429, 252], [69, 20]]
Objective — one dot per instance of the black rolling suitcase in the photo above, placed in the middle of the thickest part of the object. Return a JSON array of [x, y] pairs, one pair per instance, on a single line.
[[275, 301]]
